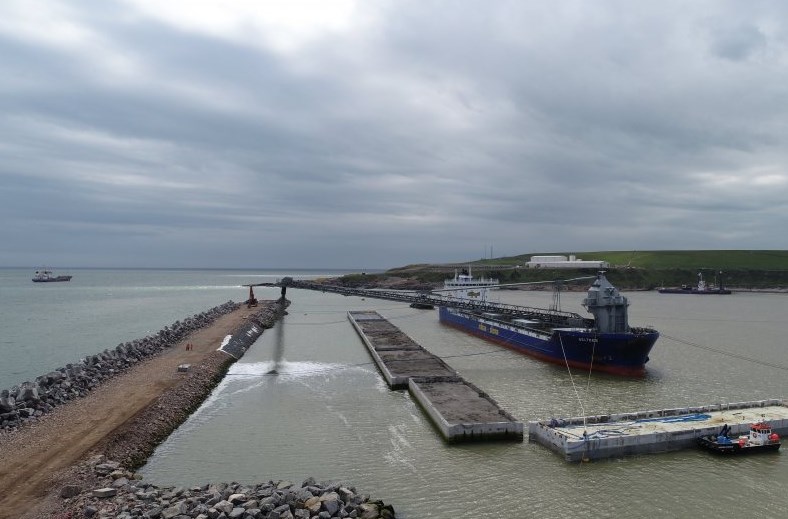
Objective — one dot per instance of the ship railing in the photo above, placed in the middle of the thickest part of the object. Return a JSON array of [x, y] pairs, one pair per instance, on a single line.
[[515, 311]]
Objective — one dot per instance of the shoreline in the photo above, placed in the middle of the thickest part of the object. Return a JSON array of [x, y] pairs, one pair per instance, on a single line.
[[46, 470], [36, 452]]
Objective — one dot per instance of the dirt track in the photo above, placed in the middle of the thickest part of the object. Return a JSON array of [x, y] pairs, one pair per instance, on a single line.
[[32, 458]]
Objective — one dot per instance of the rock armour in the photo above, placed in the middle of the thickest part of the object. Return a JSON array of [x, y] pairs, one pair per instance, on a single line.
[[104, 488], [28, 401]]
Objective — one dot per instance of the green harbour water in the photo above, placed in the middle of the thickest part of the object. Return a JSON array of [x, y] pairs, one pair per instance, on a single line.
[[327, 413]]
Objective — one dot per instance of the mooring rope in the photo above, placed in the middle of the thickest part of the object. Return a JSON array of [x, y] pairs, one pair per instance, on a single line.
[[590, 367], [571, 379], [728, 353]]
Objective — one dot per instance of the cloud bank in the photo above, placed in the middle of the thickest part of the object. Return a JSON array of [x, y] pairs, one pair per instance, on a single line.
[[374, 134]]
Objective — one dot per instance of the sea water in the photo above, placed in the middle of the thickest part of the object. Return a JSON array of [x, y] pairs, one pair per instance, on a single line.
[[306, 400], [44, 326]]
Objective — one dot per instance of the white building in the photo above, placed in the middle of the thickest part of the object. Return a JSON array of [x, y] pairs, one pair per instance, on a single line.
[[562, 262]]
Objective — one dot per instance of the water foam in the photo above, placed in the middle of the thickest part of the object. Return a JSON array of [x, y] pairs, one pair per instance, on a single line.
[[284, 369]]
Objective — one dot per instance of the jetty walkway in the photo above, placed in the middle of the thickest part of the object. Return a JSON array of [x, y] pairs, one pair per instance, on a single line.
[[553, 317]]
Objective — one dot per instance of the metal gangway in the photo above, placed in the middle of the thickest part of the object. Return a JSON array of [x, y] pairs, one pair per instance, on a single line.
[[552, 317]]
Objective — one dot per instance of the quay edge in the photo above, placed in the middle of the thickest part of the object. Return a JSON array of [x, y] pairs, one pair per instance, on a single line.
[[459, 410], [506, 428], [650, 432]]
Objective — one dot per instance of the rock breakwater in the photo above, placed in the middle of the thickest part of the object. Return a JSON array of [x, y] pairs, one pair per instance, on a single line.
[[103, 488], [133, 443], [106, 486], [30, 400]]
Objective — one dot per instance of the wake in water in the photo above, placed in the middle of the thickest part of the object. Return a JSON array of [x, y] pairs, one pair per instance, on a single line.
[[282, 368]]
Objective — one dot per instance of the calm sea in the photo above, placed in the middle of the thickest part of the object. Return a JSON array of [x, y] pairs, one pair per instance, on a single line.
[[328, 414], [47, 325]]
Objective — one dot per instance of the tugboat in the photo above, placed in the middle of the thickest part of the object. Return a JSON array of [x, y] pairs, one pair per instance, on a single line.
[[760, 439], [45, 276], [702, 288]]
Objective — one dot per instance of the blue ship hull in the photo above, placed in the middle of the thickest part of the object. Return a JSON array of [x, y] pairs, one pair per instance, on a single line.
[[616, 353]]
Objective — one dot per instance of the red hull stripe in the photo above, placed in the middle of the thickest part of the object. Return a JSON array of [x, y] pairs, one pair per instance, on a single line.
[[613, 370]]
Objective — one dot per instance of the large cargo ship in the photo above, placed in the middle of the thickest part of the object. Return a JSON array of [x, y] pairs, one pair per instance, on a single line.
[[605, 343]]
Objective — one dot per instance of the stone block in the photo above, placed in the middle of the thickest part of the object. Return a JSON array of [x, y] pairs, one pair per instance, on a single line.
[[70, 491], [224, 506], [237, 498], [313, 504], [105, 492]]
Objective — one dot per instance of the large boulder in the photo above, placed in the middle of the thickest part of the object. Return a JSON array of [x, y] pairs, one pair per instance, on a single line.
[[224, 506], [69, 491], [282, 512], [28, 393], [331, 502], [369, 511], [7, 402]]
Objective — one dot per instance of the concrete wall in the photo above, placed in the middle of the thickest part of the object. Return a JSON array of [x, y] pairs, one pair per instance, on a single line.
[[574, 449], [236, 344], [394, 382], [505, 429]]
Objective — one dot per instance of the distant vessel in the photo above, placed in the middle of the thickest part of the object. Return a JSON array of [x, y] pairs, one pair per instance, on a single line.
[[605, 343], [45, 276], [760, 439], [701, 288]]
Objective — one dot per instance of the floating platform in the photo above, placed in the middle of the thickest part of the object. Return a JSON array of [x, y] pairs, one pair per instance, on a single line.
[[647, 432], [460, 410]]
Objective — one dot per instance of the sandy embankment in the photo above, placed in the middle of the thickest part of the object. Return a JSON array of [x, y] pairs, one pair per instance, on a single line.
[[34, 459]]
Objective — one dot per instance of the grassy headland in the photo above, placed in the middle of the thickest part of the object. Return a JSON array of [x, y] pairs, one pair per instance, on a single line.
[[631, 270]]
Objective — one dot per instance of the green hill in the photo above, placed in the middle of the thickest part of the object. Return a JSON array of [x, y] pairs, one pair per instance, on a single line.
[[673, 259], [644, 270]]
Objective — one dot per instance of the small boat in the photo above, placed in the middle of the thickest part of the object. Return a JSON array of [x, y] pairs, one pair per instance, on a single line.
[[760, 439], [46, 276], [423, 306], [702, 288]]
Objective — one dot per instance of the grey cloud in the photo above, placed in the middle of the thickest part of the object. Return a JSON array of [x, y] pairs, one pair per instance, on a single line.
[[738, 43], [426, 134]]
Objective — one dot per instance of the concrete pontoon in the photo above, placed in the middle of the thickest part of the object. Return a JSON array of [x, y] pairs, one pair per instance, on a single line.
[[460, 410], [646, 432]]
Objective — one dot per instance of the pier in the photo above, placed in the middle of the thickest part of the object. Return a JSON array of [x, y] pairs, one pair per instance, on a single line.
[[647, 432], [460, 410], [553, 317]]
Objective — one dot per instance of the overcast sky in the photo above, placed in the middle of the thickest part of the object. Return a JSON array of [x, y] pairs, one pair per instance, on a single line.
[[372, 134]]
